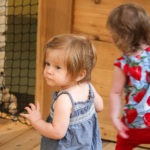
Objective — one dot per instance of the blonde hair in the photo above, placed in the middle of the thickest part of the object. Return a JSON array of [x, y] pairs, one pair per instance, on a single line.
[[130, 26], [80, 54]]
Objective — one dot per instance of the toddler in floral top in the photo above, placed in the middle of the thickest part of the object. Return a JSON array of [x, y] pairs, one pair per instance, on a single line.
[[129, 26]]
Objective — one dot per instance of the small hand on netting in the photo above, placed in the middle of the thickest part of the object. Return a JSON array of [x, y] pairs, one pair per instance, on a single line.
[[33, 112]]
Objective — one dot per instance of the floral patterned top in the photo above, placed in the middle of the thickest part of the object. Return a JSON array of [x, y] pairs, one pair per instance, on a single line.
[[136, 111]]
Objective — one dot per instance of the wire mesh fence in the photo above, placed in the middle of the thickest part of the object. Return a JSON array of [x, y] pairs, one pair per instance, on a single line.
[[18, 28]]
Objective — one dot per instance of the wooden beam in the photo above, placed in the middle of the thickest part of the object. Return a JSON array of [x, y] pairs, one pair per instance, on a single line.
[[54, 17]]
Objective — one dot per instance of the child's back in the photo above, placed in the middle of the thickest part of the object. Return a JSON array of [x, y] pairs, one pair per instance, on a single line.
[[83, 124]]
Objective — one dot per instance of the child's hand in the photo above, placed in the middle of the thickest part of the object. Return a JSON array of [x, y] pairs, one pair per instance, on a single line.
[[33, 112], [121, 128]]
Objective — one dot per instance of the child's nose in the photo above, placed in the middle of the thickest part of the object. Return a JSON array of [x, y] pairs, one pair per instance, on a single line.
[[50, 70]]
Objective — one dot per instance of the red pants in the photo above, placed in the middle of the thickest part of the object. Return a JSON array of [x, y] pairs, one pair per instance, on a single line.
[[136, 137]]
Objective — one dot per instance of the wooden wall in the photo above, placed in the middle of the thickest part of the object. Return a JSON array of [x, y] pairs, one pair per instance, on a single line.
[[88, 18]]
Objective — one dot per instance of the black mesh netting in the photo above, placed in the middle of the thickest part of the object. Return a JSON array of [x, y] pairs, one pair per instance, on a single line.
[[18, 28]]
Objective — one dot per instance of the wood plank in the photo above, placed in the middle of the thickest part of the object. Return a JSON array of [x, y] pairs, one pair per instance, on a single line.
[[106, 54], [30, 139], [11, 126], [4, 122], [90, 18], [140, 148], [27, 141], [108, 132], [145, 147], [37, 147], [101, 79], [111, 146], [11, 130]]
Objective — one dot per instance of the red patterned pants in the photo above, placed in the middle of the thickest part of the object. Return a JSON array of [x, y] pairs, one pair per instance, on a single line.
[[136, 137]]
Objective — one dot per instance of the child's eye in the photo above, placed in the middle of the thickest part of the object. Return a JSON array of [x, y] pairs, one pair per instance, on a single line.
[[47, 64], [58, 67]]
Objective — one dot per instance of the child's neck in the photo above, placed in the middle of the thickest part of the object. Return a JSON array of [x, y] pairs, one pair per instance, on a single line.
[[144, 46], [139, 51], [72, 86], [69, 86]]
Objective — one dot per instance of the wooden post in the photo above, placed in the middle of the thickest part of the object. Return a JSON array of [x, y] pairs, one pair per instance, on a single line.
[[54, 17]]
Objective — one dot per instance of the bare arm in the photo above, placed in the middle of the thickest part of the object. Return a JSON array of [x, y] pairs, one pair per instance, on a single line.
[[118, 84], [98, 101], [58, 128]]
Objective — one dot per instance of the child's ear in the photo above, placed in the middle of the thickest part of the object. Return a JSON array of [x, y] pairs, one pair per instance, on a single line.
[[81, 75]]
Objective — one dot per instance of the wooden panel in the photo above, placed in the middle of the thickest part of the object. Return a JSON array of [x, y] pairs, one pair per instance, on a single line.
[[8, 130], [111, 146], [106, 53], [24, 143], [37, 148], [101, 79], [90, 18], [54, 17]]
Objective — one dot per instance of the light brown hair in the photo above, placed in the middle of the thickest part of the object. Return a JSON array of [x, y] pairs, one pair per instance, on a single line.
[[80, 53], [130, 27]]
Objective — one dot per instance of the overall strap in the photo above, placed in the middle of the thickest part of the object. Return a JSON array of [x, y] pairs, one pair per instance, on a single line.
[[56, 95], [65, 92], [91, 92]]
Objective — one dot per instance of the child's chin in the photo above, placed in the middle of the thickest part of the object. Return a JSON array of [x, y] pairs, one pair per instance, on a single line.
[[50, 83]]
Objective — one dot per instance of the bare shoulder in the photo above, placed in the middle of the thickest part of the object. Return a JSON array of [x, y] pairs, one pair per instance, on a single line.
[[63, 101], [79, 92]]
